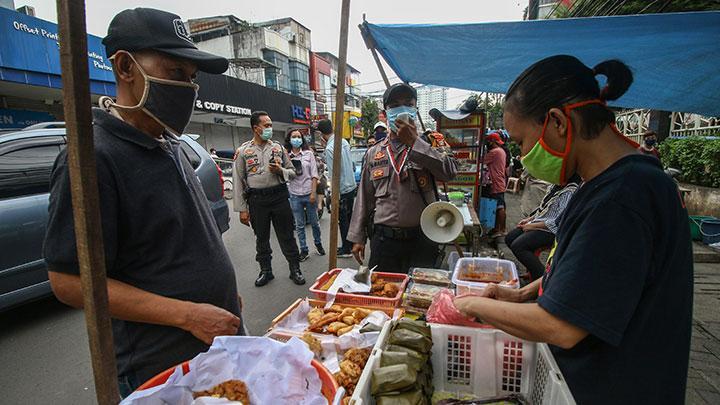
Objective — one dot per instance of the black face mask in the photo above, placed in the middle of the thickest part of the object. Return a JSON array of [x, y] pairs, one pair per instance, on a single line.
[[169, 102], [650, 142]]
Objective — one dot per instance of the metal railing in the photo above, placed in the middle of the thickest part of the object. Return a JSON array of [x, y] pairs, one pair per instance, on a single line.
[[633, 123]]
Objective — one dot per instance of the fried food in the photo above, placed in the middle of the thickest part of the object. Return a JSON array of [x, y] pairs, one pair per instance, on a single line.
[[315, 315], [358, 356], [334, 308], [312, 343], [351, 368], [343, 331], [335, 326], [234, 390], [346, 312], [350, 320], [326, 319], [360, 313]]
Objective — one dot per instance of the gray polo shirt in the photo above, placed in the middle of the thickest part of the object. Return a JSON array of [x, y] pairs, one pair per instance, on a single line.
[[159, 236]]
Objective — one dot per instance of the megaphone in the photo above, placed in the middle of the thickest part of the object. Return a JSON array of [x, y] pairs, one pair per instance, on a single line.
[[442, 222]]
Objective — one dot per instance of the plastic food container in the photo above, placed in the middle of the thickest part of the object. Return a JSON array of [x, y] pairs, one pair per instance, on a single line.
[[431, 276], [485, 270], [362, 299], [421, 295], [483, 363]]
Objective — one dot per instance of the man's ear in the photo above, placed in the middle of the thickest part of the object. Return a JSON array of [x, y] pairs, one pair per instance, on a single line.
[[558, 121], [124, 67]]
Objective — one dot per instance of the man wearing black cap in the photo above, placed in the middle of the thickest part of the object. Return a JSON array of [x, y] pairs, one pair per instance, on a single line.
[[398, 182], [171, 284]]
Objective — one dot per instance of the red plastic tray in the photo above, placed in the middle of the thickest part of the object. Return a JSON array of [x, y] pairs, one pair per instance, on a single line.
[[361, 299], [329, 385]]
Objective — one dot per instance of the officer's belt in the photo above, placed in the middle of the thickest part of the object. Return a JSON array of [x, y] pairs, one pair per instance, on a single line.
[[280, 188], [397, 233]]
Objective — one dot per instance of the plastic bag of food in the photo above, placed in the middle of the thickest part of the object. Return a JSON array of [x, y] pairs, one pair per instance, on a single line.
[[431, 276], [393, 358], [392, 378], [395, 348], [411, 340], [443, 310], [404, 398]]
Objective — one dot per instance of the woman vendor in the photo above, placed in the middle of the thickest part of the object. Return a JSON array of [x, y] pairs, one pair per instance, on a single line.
[[616, 303]]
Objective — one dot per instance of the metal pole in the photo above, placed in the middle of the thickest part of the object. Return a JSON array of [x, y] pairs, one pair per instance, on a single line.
[[337, 143], [85, 201]]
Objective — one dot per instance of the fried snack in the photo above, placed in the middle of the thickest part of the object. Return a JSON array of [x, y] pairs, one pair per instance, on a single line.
[[378, 285], [374, 278], [358, 356], [312, 343], [343, 331], [360, 313], [327, 319], [335, 326], [329, 283], [334, 308], [315, 315], [234, 390], [390, 290], [347, 312], [351, 368], [350, 320]]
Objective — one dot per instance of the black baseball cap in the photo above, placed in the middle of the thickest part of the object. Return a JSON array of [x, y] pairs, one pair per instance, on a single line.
[[148, 28], [398, 90]]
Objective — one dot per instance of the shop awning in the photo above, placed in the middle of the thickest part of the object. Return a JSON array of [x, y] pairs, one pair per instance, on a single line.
[[675, 57]]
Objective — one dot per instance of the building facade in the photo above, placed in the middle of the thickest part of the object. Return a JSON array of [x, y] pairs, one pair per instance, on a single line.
[[430, 97]]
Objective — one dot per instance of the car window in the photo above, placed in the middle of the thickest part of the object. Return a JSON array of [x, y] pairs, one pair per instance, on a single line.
[[190, 153], [27, 171]]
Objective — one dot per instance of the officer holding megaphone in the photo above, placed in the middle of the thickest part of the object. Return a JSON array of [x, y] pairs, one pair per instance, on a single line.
[[398, 182]]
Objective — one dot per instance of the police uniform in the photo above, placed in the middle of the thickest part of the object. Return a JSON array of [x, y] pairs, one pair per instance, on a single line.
[[265, 195], [397, 184]]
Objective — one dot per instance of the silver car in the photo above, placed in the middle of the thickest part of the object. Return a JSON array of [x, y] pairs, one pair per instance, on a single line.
[[26, 161]]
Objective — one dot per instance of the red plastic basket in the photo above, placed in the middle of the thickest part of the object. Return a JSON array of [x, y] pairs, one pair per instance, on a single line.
[[329, 385], [360, 299]]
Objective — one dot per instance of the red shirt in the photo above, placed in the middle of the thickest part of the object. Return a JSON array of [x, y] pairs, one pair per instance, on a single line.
[[495, 161]]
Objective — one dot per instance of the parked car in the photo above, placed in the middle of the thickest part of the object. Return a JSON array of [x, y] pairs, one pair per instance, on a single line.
[[26, 161]]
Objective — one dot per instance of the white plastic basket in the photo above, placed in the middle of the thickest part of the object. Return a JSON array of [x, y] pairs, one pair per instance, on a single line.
[[484, 363], [483, 265]]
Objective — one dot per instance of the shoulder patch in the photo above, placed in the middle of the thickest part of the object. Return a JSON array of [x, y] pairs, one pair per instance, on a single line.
[[380, 155]]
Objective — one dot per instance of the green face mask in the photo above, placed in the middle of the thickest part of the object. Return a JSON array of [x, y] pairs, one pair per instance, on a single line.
[[544, 163]]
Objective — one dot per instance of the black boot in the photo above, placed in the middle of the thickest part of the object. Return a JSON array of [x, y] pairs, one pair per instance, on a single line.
[[296, 275], [265, 277]]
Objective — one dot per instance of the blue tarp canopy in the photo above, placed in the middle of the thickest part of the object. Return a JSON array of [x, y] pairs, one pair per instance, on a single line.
[[675, 57]]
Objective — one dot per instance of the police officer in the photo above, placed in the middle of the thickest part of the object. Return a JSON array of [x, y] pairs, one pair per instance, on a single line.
[[262, 169], [398, 182]]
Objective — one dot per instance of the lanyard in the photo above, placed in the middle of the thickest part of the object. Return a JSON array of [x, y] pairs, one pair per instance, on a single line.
[[403, 159]]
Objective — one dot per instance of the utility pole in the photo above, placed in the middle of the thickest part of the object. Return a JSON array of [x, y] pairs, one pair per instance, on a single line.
[[85, 200], [337, 142]]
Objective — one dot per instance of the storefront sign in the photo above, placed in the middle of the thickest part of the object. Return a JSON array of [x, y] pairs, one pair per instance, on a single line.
[[300, 114], [31, 44], [471, 121], [21, 119], [222, 108]]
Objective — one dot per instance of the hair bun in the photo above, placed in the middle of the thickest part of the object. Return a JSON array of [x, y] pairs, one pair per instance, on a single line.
[[619, 78]]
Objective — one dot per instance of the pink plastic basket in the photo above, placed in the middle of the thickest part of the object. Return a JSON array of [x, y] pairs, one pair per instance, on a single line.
[[361, 299]]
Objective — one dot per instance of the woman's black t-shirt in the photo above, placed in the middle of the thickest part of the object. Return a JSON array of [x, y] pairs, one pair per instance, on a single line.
[[623, 272]]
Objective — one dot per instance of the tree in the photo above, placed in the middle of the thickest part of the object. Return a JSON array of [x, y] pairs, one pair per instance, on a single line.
[[369, 117], [591, 8], [493, 106]]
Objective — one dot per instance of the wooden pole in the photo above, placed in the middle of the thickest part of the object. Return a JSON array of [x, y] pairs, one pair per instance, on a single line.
[[370, 43], [85, 201], [337, 143]]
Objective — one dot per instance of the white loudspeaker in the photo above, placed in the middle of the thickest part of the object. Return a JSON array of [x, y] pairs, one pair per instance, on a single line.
[[442, 222]]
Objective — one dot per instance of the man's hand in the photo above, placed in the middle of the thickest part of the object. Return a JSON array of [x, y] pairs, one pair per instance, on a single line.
[[275, 168], [207, 321], [524, 222], [499, 293], [313, 198], [245, 217], [533, 226], [358, 250], [407, 132]]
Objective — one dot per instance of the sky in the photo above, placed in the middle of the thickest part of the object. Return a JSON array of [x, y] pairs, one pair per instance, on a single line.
[[322, 17]]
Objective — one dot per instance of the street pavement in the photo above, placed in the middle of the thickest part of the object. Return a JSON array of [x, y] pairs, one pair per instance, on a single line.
[[44, 354]]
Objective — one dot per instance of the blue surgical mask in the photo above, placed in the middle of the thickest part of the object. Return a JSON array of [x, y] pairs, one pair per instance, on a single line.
[[296, 142], [266, 134], [393, 114]]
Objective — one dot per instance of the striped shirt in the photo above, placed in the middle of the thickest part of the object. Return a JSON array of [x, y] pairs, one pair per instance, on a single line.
[[553, 205]]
